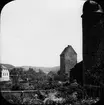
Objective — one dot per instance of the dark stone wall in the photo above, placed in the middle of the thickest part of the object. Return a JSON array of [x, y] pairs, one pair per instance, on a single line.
[[93, 35], [77, 73]]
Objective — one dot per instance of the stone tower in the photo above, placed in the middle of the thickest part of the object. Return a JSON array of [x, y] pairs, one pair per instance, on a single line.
[[68, 59], [93, 35]]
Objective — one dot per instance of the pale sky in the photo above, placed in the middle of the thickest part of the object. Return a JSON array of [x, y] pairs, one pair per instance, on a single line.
[[35, 32]]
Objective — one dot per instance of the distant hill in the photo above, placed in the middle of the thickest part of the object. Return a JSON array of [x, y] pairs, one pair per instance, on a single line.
[[44, 69], [8, 66], [26, 68]]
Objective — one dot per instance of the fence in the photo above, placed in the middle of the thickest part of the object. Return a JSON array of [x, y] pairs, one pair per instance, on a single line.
[[19, 96], [22, 93], [93, 91]]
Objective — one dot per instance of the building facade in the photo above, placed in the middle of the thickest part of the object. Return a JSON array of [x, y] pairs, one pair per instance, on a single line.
[[68, 59], [4, 74]]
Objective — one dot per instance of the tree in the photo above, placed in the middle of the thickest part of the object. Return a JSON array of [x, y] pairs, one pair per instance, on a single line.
[[14, 75]]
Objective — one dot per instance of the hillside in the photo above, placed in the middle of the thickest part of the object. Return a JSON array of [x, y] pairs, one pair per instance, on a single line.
[[26, 68], [8, 66], [44, 69]]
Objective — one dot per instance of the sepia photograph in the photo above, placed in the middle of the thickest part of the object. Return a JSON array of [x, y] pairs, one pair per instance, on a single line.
[[52, 52]]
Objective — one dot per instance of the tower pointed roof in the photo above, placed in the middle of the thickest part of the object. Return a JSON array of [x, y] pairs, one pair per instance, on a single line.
[[65, 50]]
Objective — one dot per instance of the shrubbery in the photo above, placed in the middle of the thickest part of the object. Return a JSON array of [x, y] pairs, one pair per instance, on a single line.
[[13, 99]]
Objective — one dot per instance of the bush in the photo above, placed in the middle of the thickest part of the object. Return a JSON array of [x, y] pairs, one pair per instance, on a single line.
[[16, 87], [13, 99]]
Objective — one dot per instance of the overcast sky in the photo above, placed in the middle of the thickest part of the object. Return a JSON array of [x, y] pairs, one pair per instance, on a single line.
[[35, 32]]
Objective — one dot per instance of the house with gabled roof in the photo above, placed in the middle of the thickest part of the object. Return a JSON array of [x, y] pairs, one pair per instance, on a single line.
[[4, 73]]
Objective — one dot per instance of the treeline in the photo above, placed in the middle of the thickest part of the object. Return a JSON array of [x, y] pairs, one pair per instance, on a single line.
[[19, 74], [21, 79]]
